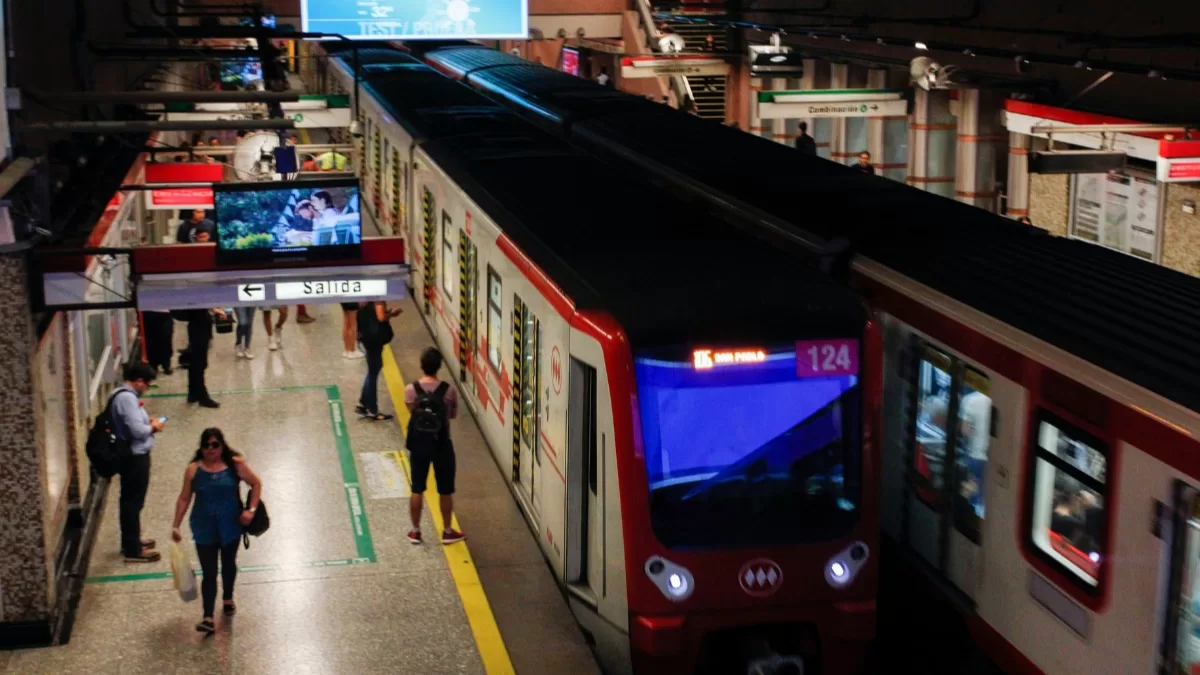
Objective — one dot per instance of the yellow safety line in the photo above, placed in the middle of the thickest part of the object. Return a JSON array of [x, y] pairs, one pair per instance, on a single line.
[[462, 569]]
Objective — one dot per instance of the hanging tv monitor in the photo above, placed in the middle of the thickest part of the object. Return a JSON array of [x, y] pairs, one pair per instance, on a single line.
[[297, 220]]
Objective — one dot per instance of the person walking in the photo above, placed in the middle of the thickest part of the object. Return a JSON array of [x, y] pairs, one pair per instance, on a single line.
[[433, 404], [374, 332], [350, 331], [218, 517], [806, 144], [243, 332], [200, 334], [133, 425]]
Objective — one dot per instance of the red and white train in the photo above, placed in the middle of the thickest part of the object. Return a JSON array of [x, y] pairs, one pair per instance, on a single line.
[[688, 414], [1040, 460]]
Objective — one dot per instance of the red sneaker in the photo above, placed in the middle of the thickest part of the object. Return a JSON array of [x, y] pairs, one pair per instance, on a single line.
[[452, 536], [414, 536]]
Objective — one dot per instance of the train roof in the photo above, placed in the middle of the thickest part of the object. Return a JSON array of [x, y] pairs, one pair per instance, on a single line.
[[1135, 319], [670, 273]]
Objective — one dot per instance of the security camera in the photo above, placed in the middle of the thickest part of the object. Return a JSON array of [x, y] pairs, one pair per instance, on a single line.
[[671, 43], [929, 74]]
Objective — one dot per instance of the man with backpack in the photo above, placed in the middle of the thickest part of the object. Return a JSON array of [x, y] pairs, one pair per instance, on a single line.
[[433, 404], [135, 431]]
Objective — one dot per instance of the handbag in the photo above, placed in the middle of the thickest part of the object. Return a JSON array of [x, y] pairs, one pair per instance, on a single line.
[[181, 570], [225, 324], [261, 522]]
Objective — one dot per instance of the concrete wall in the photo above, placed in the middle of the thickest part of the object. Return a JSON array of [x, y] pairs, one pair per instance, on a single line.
[[1181, 231], [1049, 202]]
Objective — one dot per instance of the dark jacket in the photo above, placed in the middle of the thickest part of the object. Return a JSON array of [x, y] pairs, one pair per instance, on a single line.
[[806, 145]]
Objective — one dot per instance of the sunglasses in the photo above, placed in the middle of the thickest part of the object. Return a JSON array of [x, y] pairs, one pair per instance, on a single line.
[[213, 445]]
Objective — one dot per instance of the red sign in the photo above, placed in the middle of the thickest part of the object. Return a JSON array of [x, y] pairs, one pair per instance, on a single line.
[[556, 369], [826, 358], [570, 61], [181, 197], [184, 172], [706, 359], [760, 577], [1184, 170]]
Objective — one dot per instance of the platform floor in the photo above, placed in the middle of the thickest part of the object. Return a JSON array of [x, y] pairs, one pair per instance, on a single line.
[[334, 586]]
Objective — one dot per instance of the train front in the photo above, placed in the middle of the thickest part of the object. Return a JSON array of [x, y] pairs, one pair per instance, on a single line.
[[759, 550]]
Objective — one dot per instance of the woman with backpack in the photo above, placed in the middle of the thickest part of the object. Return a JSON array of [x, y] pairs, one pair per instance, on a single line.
[[374, 332], [218, 517]]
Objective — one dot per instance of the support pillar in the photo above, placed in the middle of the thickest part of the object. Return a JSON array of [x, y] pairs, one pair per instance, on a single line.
[[821, 128], [779, 127], [839, 78], [854, 129], [807, 82], [1018, 175], [756, 123], [979, 140], [931, 143], [876, 79]]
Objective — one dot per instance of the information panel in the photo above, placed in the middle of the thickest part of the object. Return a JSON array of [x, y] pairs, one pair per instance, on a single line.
[[417, 19], [1118, 210]]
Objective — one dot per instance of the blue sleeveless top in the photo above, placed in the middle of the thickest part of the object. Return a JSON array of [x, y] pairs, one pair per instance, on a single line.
[[218, 506]]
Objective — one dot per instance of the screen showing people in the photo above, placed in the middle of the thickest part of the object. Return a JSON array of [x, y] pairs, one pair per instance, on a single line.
[[280, 220]]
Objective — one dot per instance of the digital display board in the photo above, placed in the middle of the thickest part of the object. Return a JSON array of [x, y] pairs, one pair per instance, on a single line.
[[417, 19], [281, 220]]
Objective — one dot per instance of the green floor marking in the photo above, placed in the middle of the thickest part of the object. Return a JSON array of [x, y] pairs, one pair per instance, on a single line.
[[358, 516], [364, 544]]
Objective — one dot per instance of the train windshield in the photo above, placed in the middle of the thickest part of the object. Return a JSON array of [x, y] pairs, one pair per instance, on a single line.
[[752, 447]]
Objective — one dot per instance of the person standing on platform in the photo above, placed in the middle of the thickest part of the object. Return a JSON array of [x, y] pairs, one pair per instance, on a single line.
[[275, 334], [200, 334], [433, 404], [864, 163], [160, 336], [806, 144], [375, 331], [217, 518], [188, 229], [132, 424], [245, 329], [350, 331], [603, 79]]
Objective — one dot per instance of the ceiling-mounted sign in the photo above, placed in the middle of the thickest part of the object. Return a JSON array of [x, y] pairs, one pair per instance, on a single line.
[[417, 19], [689, 66], [179, 198], [776, 105]]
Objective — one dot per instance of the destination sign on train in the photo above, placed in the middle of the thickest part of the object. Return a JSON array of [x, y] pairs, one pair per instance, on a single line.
[[417, 19], [704, 359]]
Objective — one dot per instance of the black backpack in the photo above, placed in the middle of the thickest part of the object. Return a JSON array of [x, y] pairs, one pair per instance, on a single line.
[[105, 450], [428, 421]]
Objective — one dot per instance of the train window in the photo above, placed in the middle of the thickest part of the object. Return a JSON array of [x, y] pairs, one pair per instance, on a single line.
[[1067, 513], [529, 378], [971, 456], [495, 324], [933, 409], [448, 265]]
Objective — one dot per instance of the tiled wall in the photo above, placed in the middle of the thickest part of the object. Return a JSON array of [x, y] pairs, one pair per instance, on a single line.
[[24, 580], [1181, 231], [1049, 201]]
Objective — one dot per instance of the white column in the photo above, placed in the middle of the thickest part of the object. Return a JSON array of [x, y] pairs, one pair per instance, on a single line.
[[779, 127], [876, 79], [756, 124], [1018, 175], [839, 78]]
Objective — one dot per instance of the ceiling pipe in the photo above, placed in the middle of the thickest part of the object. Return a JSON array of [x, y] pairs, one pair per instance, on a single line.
[[149, 125], [135, 97]]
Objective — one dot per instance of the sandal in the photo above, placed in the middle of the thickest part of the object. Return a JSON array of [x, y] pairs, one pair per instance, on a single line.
[[206, 626], [229, 609]]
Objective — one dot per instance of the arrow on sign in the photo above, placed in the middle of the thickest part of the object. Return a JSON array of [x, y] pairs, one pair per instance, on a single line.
[[248, 292]]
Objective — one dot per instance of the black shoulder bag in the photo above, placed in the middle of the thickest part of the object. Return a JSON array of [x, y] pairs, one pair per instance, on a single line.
[[260, 523]]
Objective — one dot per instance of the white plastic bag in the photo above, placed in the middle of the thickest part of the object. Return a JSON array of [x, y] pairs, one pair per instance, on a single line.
[[181, 569]]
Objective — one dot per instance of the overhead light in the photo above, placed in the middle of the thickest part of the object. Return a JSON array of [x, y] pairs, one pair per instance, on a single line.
[[921, 45], [778, 58], [968, 52], [1080, 64]]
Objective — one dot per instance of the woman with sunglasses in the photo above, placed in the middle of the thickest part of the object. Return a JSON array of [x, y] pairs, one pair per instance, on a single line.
[[217, 517]]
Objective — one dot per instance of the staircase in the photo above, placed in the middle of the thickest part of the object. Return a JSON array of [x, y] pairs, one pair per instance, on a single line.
[[707, 92]]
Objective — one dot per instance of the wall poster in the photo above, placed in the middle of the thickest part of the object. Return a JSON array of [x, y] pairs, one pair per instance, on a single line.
[[1118, 210]]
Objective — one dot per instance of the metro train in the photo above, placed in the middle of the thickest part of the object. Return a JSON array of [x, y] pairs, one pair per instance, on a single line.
[[688, 415], [1040, 462]]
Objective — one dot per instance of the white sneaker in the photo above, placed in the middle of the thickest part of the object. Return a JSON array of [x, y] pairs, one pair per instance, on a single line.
[[239, 351], [355, 355], [279, 335], [272, 342], [247, 354]]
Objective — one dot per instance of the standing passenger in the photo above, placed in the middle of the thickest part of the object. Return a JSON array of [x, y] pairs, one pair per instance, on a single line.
[[132, 424], [433, 403], [160, 334], [200, 334], [805, 143], [218, 517], [350, 331], [375, 332], [245, 329]]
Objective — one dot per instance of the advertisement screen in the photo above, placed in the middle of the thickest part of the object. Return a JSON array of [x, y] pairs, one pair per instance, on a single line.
[[279, 221], [570, 61], [417, 19]]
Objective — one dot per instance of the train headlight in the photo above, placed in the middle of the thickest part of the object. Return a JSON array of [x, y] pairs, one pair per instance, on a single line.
[[845, 565], [674, 581]]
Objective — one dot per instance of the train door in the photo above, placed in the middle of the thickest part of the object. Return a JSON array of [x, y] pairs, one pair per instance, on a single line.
[[1180, 647], [526, 396], [467, 271], [585, 483], [950, 433]]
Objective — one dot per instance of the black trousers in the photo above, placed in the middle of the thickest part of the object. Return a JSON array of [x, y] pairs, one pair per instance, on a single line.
[[197, 364], [160, 332], [135, 480], [208, 567]]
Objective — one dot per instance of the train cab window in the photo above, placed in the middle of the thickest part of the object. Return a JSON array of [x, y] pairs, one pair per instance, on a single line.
[[495, 324], [1067, 512], [448, 266]]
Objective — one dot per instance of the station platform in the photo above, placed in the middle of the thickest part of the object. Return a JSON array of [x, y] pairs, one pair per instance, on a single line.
[[334, 586]]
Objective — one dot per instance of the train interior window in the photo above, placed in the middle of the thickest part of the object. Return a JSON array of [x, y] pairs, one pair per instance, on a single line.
[[495, 325], [1068, 499], [529, 378], [971, 456], [448, 265], [933, 409]]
